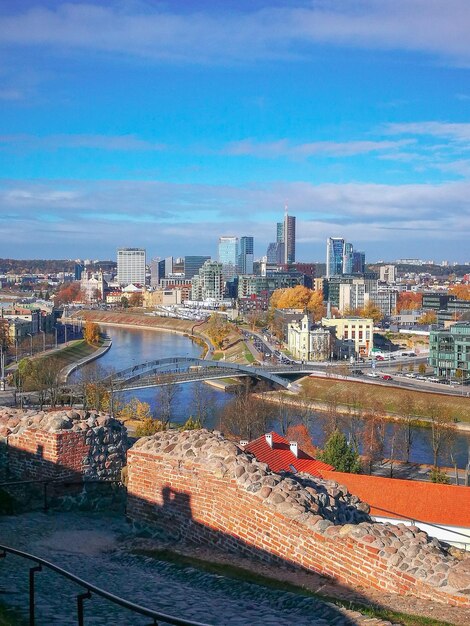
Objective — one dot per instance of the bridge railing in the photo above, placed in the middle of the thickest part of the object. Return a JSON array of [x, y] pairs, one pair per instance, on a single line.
[[90, 590]]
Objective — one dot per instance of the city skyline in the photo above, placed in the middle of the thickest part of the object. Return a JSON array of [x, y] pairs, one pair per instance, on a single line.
[[164, 127]]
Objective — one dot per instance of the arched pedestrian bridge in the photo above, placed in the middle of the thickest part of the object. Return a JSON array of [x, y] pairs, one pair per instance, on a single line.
[[187, 369]]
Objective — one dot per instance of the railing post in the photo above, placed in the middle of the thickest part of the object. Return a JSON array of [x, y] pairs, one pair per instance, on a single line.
[[45, 496], [80, 600], [32, 571]]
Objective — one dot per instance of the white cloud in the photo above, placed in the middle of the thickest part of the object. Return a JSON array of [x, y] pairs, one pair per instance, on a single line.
[[450, 130], [285, 148], [170, 218], [153, 32], [101, 142]]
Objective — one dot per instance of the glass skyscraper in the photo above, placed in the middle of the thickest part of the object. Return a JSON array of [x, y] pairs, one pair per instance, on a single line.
[[228, 256], [334, 256], [289, 239], [245, 258]]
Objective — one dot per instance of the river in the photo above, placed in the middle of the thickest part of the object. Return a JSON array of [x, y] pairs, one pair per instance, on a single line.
[[132, 346]]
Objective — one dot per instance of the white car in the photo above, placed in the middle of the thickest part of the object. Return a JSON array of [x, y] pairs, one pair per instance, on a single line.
[[372, 375]]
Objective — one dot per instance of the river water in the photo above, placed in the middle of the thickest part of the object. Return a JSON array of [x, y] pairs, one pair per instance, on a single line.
[[132, 346]]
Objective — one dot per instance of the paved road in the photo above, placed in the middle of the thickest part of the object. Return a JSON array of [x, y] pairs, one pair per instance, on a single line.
[[93, 547]]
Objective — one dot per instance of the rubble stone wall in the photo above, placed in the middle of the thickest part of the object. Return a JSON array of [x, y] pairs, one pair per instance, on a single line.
[[198, 486], [57, 444]]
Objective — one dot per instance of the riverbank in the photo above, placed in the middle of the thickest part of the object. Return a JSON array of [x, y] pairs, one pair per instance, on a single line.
[[287, 398], [104, 346]]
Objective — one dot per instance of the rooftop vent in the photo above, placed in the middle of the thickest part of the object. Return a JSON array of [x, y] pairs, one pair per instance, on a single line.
[[269, 439]]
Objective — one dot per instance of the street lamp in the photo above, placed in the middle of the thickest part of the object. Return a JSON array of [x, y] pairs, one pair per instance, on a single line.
[[43, 340], [31, 343]]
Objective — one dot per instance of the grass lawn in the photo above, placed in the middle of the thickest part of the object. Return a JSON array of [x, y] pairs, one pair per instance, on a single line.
[[389, 399], [246, 575], [75, 351]]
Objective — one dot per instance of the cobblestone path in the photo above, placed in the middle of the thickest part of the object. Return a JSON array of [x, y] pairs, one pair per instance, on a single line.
[[88, 545]]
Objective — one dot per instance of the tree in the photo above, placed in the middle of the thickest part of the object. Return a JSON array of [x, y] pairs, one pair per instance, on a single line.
[[202, 404], [135, 410], [409, 301], [299, 433], [218, 329], [91, 333], [167, 395], [338, 453], [461, 291], [67, 293], [41, 376], [284, 413], [136, 299], [124, 302], [428, 318], [442, 430], [315, 305], [422, 368], [438, 476], [244, 417], [298, 297], [148, 427], [407, 409], [372, 311]]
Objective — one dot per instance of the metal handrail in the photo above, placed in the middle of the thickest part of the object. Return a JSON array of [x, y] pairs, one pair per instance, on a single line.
[[90, 589]]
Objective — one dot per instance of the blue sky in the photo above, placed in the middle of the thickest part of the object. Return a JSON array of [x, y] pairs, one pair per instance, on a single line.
[[167, 124]]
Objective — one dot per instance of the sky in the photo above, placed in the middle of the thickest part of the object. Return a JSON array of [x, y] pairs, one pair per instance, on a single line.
[[165, 125]]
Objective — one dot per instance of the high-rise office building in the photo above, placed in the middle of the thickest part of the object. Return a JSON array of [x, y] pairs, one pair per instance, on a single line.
[[228, 256], [131, 266], [289, 238], [245, 257], [154, 272], [192, 265], [334, 256], [359, 263], [280, 232], [348, 258]]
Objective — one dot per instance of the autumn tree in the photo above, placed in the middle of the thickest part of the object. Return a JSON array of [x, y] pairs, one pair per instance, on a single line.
[[409, 301], [135, 410], [442, 430], [136, 299], [299, 433], [372, 311], [462, 292], [218, 329], [201, 404], [428, 318], [298, 297], [91, 333], [407, 410], [67, 293]]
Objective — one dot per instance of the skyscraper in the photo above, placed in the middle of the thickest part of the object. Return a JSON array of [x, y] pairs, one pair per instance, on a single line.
[[245, 258], [228, 256], [334, 256], [289, 238], [131, 266], [192, 265], [348, 258]]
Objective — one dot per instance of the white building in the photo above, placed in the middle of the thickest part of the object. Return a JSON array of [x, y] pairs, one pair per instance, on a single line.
[[308, 342], [208, 283], [131, 266]]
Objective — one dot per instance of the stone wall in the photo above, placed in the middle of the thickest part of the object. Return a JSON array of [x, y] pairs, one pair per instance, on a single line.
[[60, 444], [198, 486]]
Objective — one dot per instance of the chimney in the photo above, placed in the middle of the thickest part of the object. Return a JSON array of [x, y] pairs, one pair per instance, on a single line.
[[243, 443], [269, 439], [294, 448]]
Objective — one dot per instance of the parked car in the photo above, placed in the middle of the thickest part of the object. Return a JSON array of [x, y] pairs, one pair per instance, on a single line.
[[372, 374], [386, 377]]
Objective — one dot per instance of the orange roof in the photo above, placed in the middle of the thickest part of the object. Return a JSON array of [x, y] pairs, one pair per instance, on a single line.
[[418, 500], [280, 458]]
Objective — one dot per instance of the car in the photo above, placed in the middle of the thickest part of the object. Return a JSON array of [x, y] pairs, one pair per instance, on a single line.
[[372, 374], [386, 377], [379, 357], [357, 372]]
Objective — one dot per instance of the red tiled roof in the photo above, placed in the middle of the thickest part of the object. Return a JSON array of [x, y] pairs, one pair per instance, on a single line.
[[418, 500], [280, 457]]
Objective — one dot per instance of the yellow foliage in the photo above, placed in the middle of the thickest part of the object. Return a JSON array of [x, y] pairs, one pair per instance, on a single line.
[[135, 410], [91, 333], [461, 291]]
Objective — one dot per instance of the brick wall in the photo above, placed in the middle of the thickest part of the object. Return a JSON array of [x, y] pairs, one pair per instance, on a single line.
[[207, 505], [38, 454]]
